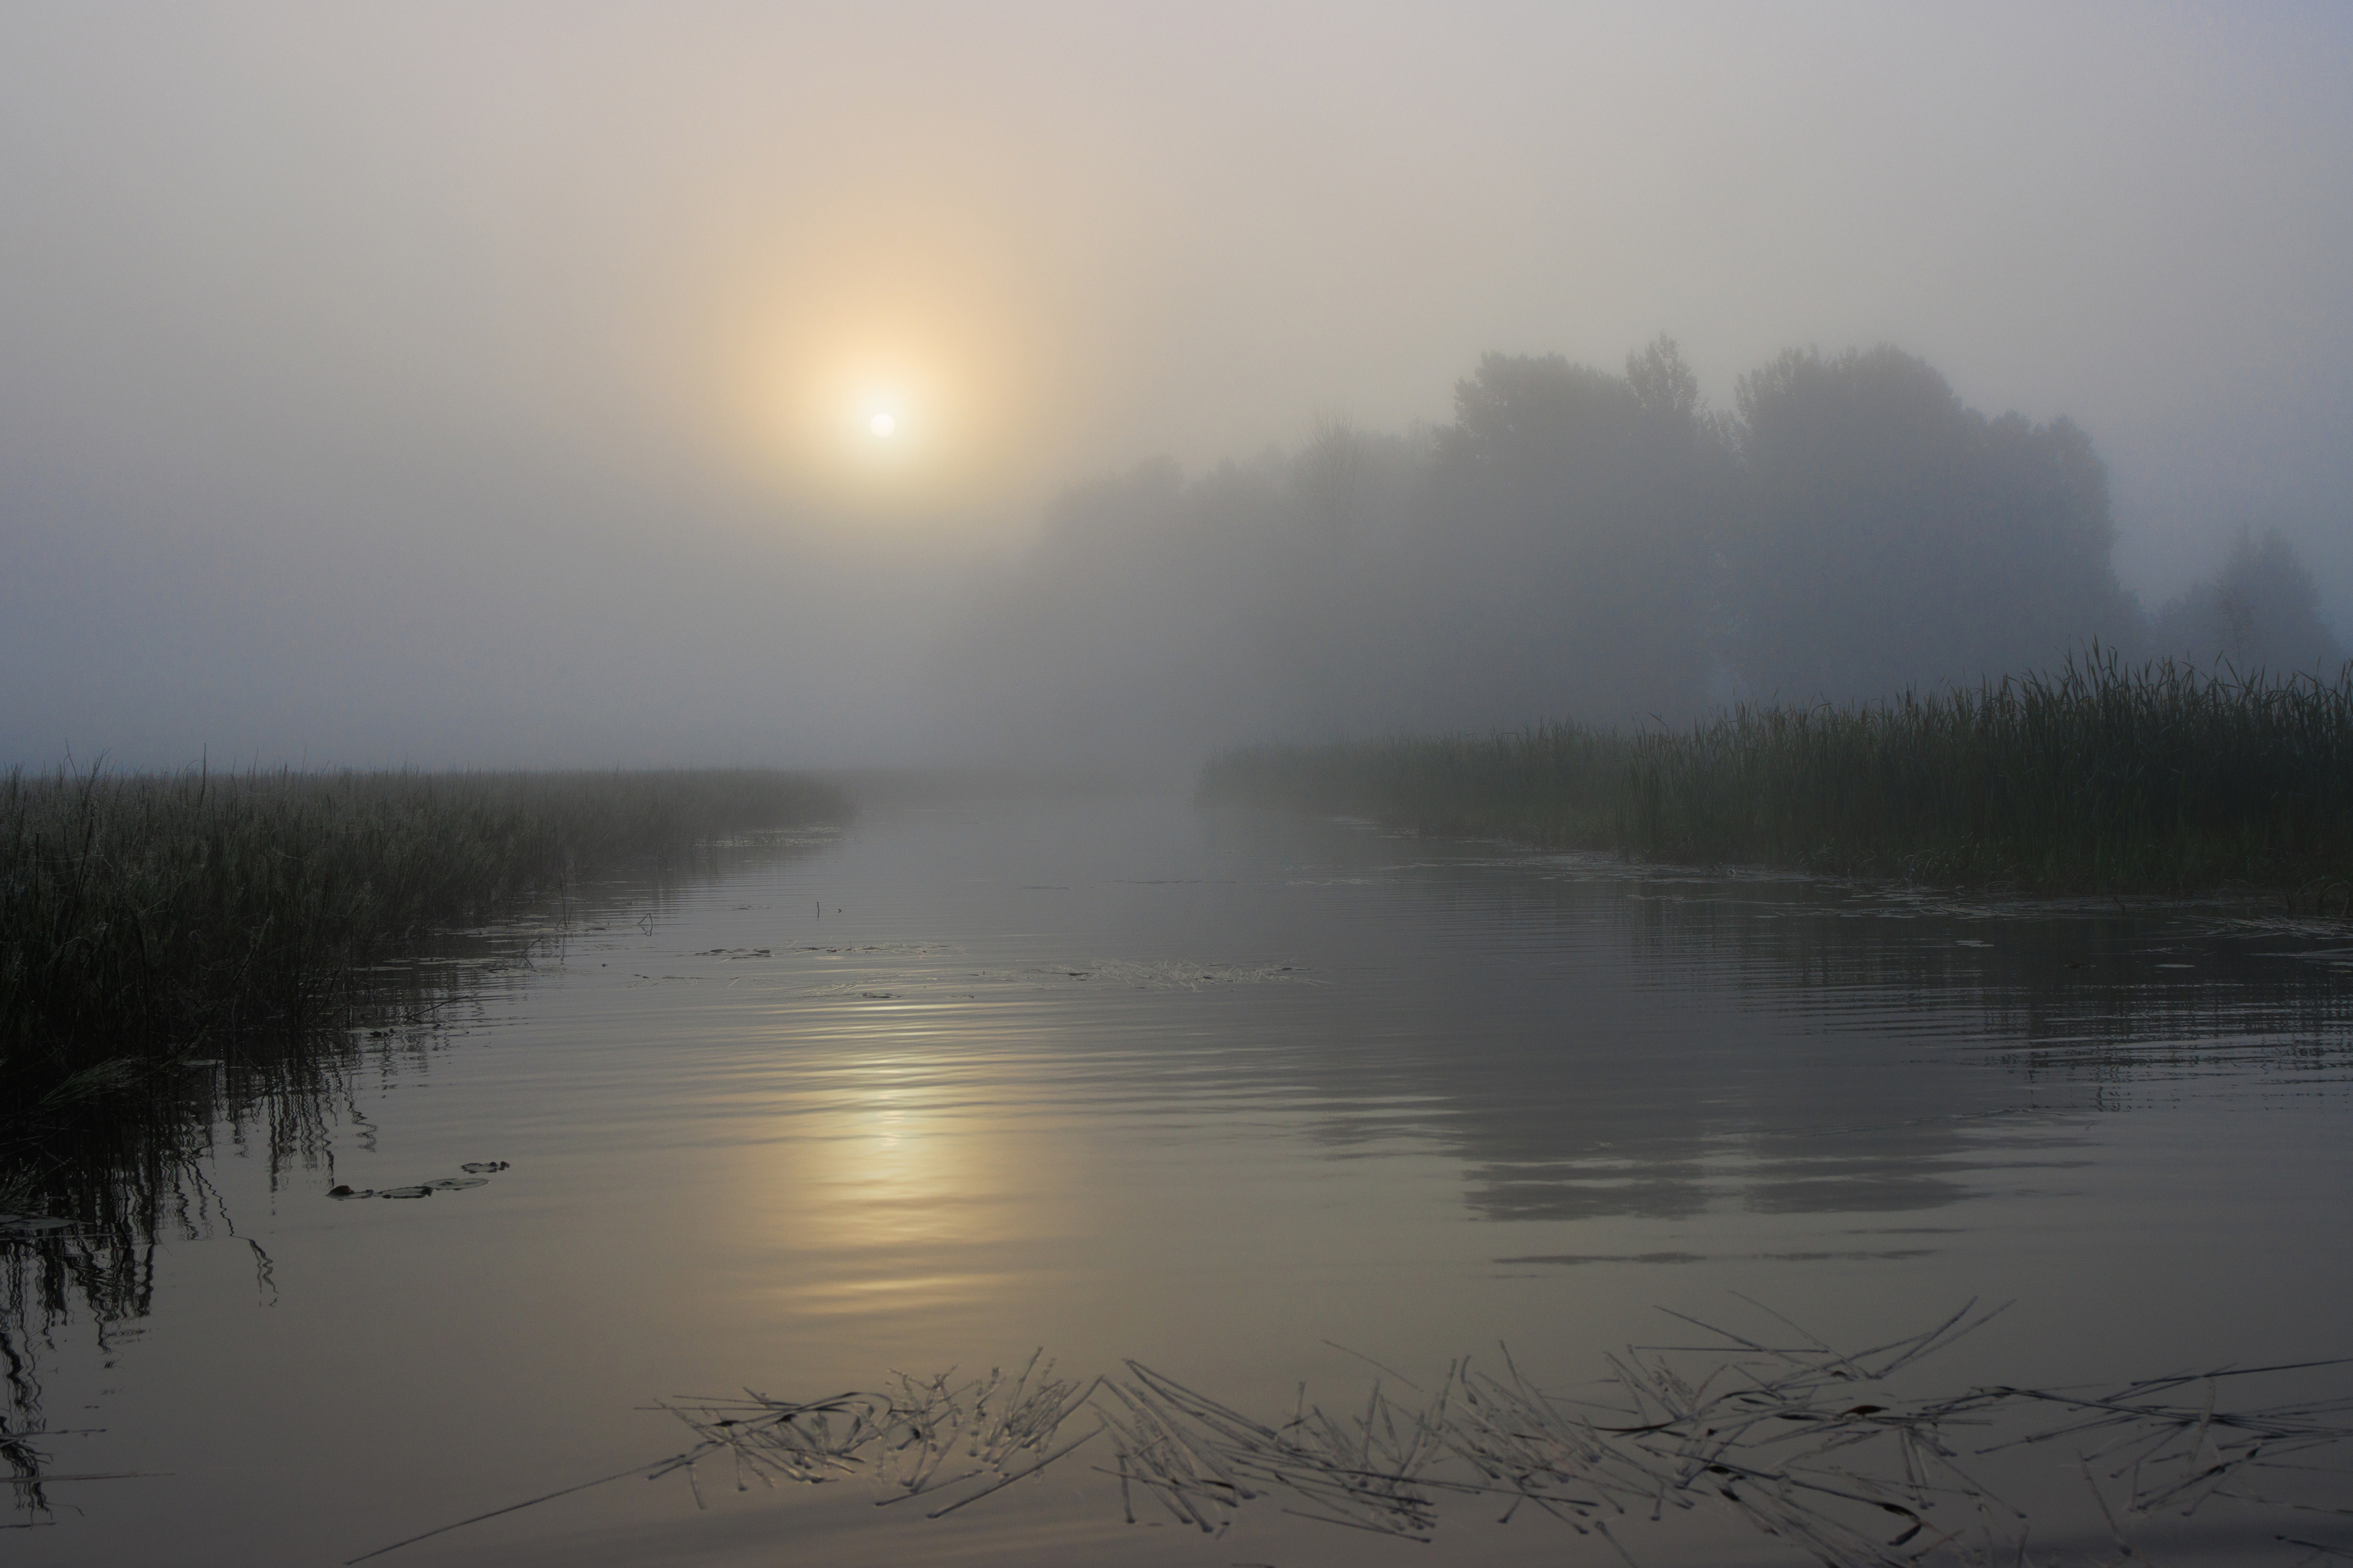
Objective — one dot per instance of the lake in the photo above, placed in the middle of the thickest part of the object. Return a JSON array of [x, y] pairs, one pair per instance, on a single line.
[[1215, 1103]]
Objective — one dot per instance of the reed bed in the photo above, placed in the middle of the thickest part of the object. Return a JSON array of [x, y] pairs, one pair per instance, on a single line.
[[1821, 1450], [147, 918], [2097, 776]]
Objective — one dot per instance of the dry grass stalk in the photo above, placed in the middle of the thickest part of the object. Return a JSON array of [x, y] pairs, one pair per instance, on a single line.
[[1804, 1442]]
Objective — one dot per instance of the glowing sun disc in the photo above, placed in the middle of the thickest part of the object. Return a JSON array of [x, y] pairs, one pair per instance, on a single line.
[[882, 425]]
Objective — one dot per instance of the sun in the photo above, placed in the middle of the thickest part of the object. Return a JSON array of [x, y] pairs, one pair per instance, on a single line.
[[884, 376], [874, 406], [882, 409]]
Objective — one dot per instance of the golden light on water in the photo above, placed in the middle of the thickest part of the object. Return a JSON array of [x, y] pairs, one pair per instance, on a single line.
[[891, 1199]]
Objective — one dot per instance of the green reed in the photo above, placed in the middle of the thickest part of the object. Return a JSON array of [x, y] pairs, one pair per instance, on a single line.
[[2095, 777], [144, 914]]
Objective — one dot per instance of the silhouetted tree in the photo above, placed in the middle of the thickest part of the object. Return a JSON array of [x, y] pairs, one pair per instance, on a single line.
[[1160, 616], [1892, 536], [1569, 551], [2260, 611]]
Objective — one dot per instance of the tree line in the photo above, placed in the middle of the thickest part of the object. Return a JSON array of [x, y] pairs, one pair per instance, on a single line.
[[1605, 547]]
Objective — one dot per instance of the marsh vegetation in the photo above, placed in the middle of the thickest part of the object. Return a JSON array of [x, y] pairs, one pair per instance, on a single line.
[[2097, 776], [150, 918], [200, 964]]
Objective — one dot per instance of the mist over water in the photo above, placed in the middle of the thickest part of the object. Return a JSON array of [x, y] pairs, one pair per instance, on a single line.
[[495, 388]]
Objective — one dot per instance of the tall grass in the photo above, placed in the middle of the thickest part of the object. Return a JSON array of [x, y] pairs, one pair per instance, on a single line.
[[151, 925], [141, 915], [2095, 777]]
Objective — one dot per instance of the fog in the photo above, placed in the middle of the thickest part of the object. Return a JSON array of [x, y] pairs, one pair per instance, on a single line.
[[497, 386]]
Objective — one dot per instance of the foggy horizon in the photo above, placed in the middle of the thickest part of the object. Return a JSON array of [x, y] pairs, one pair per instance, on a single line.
[[497, 388]]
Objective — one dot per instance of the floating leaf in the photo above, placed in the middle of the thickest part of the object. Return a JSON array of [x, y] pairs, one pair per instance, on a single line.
[[448, 1182], [478, 1167], [406, 1193]]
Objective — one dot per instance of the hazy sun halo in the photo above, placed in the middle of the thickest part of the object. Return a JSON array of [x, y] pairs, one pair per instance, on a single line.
[[865, 397]]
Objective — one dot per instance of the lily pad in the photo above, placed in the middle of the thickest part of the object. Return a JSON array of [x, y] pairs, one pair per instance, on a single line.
[[406, 1193], [448, 1182], [340, 1192], [480, 1167]]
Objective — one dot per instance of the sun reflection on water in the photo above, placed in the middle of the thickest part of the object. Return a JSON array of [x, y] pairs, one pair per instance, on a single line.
[[891, 1191]]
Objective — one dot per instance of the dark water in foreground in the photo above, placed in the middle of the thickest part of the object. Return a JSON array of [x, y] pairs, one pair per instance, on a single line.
[[1255, 1101]]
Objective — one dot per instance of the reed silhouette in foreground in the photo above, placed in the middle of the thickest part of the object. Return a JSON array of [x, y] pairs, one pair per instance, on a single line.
[[2097, 776], [149, 918], [200, 1023], [1816, 1449]]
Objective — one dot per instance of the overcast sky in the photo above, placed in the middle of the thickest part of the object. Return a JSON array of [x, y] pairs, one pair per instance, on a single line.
[[496, 384]]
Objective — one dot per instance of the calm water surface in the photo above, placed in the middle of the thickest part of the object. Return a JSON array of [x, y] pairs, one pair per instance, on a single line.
[[1252, 1099]]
